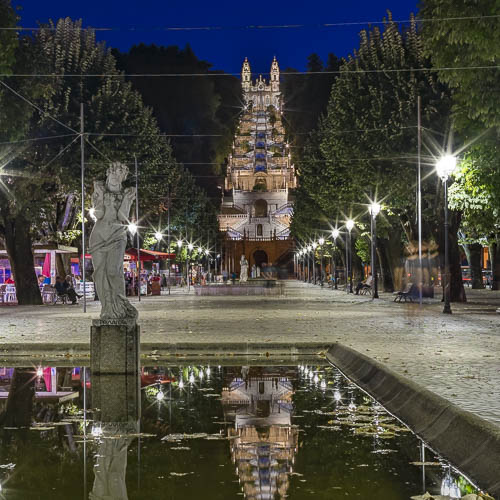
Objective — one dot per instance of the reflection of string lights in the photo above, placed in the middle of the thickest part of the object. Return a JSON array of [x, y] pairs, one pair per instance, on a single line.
[[337, 396], [160, 396], [201, 374], [208, 371], [352, 406], [323, 384], [316, 379], [181, 383], [191, 378]]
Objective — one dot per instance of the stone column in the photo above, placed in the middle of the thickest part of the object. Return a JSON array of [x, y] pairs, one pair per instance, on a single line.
[[114, 346]]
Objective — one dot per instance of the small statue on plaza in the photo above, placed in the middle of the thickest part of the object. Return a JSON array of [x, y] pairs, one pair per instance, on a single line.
[[243, 269], [108, 240], [254, 271]]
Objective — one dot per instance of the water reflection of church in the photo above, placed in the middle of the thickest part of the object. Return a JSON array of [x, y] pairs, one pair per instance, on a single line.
[[263, 441]]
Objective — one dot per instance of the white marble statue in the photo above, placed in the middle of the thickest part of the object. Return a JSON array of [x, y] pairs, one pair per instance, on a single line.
[[254, 271], [243, 269], [108, 241]]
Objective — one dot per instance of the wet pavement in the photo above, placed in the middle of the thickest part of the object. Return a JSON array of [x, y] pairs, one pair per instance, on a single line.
[[456, 356]]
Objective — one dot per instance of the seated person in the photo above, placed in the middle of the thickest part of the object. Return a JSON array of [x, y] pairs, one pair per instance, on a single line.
[[367, 283], [64, 288]]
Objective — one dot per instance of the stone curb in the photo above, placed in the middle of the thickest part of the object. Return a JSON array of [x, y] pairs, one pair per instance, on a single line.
[[467, 441], [172, 348]]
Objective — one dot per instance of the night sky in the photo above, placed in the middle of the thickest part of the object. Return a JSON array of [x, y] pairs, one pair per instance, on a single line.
[[225, 48]]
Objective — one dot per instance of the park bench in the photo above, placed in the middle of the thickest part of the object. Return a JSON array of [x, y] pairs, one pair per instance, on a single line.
[[406, 294], [366, 290]]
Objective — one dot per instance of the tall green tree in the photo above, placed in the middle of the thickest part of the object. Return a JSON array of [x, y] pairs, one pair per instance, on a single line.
[[40, 199], [367, 145], [8, 37], [471, 41], [471, 44], [306, 96], [203, 108]]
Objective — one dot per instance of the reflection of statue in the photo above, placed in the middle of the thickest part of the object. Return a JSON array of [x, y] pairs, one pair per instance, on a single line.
[[243, 269], [116, 411], [111, 466], [254, 271], [108, 241]]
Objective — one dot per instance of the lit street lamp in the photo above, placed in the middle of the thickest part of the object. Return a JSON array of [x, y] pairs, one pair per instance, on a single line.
[[321, 242], [199, 256], [179, 246], [132, 228], [314, 246], [207, 255], [309, 248], [158, 237], [374, 210], [335, 235], [349, 225], [444, 168], [190, 249]]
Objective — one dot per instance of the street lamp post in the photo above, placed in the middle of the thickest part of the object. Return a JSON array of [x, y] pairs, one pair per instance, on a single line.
[[349, 225], [445, 167], [304, 257], [309, 248], [207, 254], [335, 235], [374, 211], [158, 238], [200, 256], [314, 246], [189, 273], [132, 229], [179, 246], [321, 242]]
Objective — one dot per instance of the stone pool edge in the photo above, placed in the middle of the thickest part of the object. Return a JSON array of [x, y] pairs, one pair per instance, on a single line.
[[433, 418]]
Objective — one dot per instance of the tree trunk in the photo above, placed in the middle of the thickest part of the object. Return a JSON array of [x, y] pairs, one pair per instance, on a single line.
[[495, 264], [474, 258], [385, 272], [62, 270], [19, 406], [391, 252], [20, 252]]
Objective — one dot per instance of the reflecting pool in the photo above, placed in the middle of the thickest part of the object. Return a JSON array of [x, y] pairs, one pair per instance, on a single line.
[[208, 432]]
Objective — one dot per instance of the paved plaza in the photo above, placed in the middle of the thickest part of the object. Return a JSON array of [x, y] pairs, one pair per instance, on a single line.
[[456, 356]]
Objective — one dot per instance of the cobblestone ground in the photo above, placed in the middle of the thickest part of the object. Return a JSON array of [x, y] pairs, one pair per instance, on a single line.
[[456, 356]]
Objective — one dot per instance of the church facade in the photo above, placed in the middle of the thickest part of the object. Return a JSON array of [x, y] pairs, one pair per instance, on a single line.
[[257, 203]]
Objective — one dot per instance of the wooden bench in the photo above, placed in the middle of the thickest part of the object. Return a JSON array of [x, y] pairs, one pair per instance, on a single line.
[[406, 294], [366, 290]]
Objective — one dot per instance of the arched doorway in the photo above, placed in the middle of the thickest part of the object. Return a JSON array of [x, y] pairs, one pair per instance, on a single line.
[[260, 208], [260, 257]]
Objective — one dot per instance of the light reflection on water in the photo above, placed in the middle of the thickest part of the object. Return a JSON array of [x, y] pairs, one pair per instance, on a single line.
[[212, 432]]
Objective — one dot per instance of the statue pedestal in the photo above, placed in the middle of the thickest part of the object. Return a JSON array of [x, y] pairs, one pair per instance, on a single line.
[[114, 347]]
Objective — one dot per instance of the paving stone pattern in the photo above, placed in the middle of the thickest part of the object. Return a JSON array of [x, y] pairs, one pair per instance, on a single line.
[[456, 356]]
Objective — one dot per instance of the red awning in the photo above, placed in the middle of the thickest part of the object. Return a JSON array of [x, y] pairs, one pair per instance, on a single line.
[[148, 255]]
